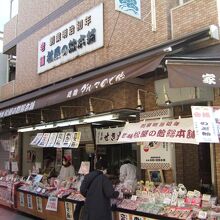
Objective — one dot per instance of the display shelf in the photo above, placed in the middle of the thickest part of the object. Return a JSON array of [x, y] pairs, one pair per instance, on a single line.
[[139, 215]]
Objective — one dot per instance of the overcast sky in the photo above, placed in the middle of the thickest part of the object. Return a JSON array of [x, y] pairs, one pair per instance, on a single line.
[[5, 11]]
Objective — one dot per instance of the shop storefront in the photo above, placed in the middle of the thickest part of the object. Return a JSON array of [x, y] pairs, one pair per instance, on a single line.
[[136, 108]]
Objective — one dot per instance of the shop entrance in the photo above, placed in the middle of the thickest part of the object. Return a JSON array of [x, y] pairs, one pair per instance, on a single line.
[[115, 154]]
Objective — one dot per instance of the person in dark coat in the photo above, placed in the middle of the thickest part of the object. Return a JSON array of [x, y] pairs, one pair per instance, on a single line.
[[98, 190]]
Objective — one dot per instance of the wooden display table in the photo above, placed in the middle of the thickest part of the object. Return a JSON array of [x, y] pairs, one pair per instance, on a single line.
[[35, 205]]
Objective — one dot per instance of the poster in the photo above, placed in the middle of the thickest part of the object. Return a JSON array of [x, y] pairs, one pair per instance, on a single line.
[[69, 211], [21, 199], [29, 201], [106, 136], [14, 166], [39, 204], [168, 130], [156, 155], [52, 140], [52, 203], [37, 139], [44, 140], [68, 139], [59, 140], [76, 140], [205, 126], [84, 168]]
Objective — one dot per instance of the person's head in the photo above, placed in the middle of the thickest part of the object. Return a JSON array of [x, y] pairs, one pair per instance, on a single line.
[[66, 161], [101, 164], [126, 161]]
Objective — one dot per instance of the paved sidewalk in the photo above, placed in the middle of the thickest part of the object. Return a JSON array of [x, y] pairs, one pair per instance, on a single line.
[[7, 214]]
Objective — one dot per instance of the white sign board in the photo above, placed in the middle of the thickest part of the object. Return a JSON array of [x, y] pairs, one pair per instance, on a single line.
[[173, 131], [108, 135], [80, 36], [132, 8], [204, 124], [156, 152]]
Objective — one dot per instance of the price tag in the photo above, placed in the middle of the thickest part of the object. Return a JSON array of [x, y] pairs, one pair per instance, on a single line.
[[190, 194], [197, 193], [206, 197], [134, 198], [202, 215], [167, 201]]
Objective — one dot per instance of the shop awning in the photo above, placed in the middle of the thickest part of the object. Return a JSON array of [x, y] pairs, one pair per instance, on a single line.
[[197, 69], [98, 78]]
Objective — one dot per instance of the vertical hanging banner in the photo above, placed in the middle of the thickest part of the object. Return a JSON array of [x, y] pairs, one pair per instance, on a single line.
[[216, 112], [129, 7], [205, 124]]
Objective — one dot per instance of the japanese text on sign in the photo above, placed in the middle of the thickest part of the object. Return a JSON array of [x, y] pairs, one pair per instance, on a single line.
[[76, 38], [174, 131]]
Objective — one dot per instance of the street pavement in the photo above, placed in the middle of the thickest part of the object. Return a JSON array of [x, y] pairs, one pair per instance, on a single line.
[[7, 214]]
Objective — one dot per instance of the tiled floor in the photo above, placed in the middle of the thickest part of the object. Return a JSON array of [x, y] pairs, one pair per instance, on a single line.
[[7, 214]]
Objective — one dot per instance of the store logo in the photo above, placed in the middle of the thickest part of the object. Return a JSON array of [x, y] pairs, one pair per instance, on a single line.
[[130, 7]]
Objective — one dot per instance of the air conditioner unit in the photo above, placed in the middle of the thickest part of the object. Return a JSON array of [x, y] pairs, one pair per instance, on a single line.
[[179, 96]]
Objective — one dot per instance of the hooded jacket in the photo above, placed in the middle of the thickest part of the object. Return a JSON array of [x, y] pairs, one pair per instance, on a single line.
[[98, 190]]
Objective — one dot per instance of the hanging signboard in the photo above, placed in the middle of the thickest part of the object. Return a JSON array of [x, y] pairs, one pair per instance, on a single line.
[[58, 140], [156, 155], [44, 140], [80, 36], [76, 140], [173, 131], [37, 139], [106, 136], [52, 139], [205, 124], [132, 8], [68, 139]]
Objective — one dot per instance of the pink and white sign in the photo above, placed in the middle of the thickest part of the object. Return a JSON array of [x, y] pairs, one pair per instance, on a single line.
[[173, 131], [205, 124]]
